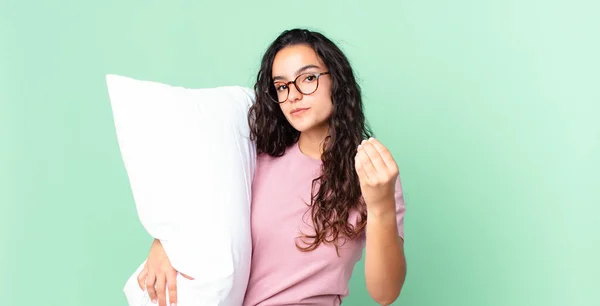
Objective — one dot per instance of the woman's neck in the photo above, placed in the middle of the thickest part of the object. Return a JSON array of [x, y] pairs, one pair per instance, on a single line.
[[311, 143]]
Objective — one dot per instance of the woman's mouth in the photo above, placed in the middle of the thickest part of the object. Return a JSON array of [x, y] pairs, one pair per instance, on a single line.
[[298, 111]]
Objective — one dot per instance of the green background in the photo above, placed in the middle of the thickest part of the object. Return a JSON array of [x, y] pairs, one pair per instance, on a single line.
[[491, 109]]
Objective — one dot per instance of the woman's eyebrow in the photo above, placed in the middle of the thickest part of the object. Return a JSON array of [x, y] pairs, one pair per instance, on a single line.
[[276, 78]]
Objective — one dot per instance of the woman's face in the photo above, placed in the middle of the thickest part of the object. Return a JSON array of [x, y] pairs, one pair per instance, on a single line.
[[307, 112]]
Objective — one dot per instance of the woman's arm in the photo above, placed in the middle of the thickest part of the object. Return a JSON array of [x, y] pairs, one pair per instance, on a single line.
[[385, 264]]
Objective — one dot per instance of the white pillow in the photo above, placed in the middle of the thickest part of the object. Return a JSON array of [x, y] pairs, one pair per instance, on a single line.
[[190, 164]]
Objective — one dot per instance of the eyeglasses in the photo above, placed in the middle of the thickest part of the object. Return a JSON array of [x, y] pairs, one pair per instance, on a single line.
[[306, 83]]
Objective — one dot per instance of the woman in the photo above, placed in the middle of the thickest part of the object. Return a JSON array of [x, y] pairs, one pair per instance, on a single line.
[[320, 176]]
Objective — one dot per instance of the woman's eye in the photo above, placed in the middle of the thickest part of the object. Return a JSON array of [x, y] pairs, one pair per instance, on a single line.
[[310, 78], [281, 87]]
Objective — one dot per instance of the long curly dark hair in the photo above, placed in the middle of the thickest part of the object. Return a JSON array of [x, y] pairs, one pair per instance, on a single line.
[[338, 185]]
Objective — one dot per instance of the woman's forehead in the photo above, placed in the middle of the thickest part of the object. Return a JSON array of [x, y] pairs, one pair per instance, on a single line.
[[289, 61]]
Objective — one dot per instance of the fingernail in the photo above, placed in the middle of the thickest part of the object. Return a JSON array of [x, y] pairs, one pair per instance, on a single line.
[[173, 304], [153, 301], [371, 139], [364, 140]]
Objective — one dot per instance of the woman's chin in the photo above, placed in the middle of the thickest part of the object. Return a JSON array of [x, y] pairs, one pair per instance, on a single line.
[[307, 128]]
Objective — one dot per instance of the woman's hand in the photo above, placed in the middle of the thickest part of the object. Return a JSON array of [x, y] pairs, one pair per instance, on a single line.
[[157, 275], [377, 172]]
